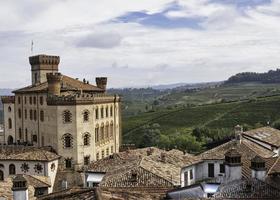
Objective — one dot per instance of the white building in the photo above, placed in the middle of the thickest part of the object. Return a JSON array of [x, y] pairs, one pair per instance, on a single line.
[[37, 165]]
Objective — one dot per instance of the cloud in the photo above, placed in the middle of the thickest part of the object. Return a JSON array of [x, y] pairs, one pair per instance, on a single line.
[[148, 41], [100, 40]]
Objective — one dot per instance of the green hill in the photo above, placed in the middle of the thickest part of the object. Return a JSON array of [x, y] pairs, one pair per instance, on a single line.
[[170, 128]]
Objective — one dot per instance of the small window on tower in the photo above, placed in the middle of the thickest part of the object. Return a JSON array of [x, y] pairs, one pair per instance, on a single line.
[[67, 116], [9, 109], [86, 115], [36, 77]]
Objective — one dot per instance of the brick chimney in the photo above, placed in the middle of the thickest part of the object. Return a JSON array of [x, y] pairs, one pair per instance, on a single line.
[[101, 82]]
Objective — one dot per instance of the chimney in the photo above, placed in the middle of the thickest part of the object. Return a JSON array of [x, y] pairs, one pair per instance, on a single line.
[[233, 165], [238, 130], [20, 191], [101, 82], [163, 157], [258, 168], [54, 83]]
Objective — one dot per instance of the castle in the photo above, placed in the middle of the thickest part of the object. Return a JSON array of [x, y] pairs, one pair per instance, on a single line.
[[80, 121]]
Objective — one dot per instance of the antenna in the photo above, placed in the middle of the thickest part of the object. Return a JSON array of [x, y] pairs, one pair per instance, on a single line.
[[32, 44]]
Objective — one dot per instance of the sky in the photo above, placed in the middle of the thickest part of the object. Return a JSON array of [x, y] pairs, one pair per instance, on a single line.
[[140, 42]]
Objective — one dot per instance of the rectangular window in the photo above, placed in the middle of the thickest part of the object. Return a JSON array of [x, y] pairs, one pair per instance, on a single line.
[[30, 100], [107, 112], [191, 174], [68, 163], [112, 149], [25, 101], [186, 178], [211, 170], [34, 101], [222, 168], [19, 100], [86, 160], [41, 100]]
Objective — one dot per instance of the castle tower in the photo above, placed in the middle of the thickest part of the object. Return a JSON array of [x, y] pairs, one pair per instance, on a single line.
[[233, 165], [258, 168], [41, 65], [101, 82], [54, 83], [19, 188]]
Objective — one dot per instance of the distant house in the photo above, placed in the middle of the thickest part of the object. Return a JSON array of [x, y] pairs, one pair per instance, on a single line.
[[143, 173], [37, 166], [244, 160]]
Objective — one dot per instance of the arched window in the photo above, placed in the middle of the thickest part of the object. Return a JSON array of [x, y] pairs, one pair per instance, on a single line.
[[19, 113], [10, 123], [12, 169], [1, 175], [10, 140], [19, 133], [31, 114], [107, 131], [42, 117], [67, 116], [35, 115], [107, 112], [9, 109], [111, 111], [97, 113], [86, 139], [41, 100], [86, 116], [26, 134], [102, 132], [111, 129], [67, 140], [97, 134], [102, 112]]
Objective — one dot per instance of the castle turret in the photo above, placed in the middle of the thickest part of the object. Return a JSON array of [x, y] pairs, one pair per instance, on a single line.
[[258, 168], [101, 82], [54, 83], [233, 165], [19, 188], [41, 65]]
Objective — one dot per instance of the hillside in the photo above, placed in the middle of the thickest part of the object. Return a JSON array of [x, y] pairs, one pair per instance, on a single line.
[[272, 76], [190, 128]]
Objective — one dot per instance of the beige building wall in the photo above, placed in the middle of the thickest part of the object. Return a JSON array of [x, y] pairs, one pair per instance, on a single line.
[[9, 114]]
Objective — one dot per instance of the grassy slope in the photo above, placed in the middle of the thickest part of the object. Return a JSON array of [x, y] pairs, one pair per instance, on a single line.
[[224, 115]]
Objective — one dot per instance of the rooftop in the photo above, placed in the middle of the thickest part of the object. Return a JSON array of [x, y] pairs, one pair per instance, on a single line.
[[266, 134], [67, 84], [27, 153], [155, 163]]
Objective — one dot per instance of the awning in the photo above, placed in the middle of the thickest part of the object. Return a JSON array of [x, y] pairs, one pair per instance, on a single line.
[[95, 178]]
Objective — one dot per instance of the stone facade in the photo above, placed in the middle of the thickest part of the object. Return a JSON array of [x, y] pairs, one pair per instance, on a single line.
[[79, 120]]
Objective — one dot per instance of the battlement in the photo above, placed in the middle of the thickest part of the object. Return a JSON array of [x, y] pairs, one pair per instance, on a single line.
[[44, 60], [54, 77], [8, 99], [82, 99], [101, 82]]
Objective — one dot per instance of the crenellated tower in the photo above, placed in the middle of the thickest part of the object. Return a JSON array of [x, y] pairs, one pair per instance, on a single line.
[[54, 83], [41, 65]]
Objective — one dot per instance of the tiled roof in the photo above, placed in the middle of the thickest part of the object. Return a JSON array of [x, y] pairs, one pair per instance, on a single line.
[[275, 168], [67, 83], [266, 134], [247, 189], [164, 165], [26, 153], [38, 181], [72, 194]]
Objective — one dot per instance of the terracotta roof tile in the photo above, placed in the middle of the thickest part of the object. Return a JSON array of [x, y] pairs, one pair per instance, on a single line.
[[266, 134], [26, 153], [68, 83]]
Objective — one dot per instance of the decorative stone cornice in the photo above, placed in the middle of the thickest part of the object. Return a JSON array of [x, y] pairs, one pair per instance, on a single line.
[[8, 99]]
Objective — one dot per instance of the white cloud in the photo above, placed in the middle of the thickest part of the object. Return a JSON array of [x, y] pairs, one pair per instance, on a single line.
[[131, 54]]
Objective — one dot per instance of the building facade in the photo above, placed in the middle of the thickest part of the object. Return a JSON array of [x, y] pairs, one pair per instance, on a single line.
[[79, 120]]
